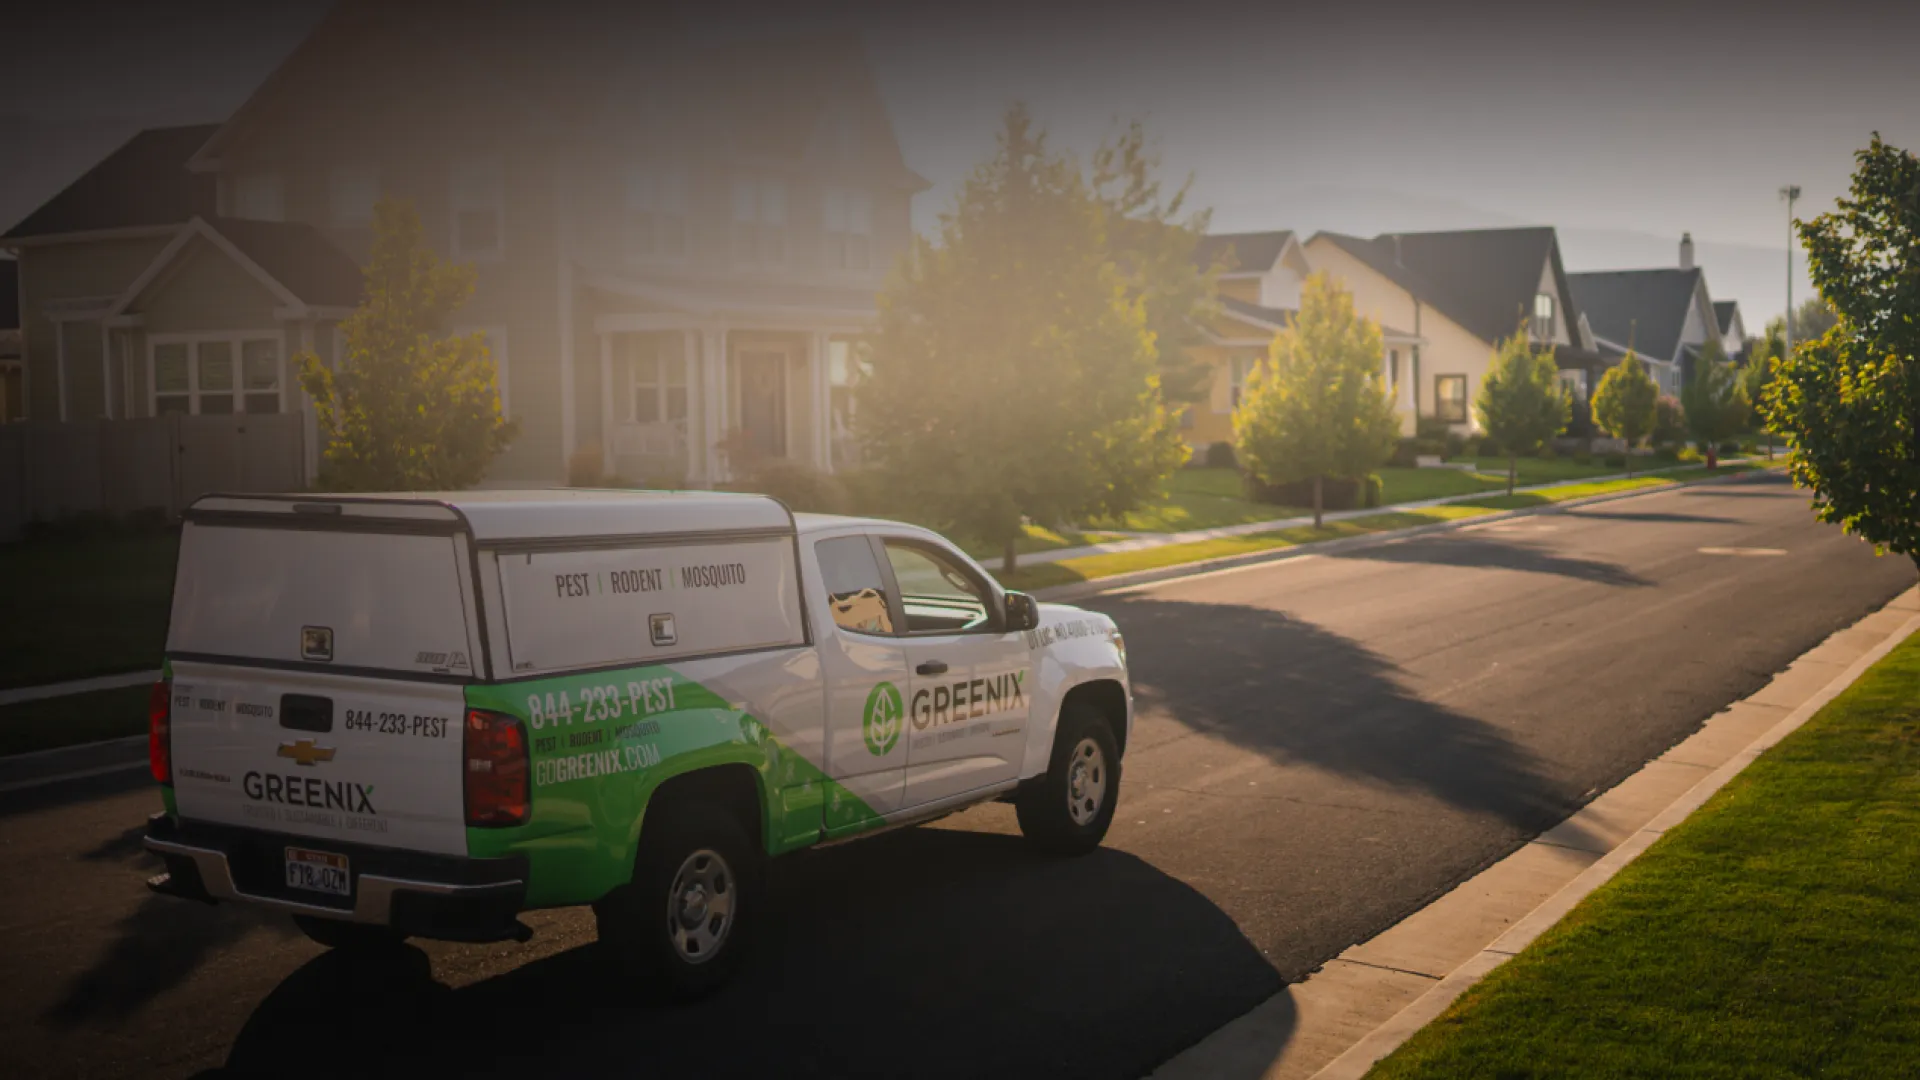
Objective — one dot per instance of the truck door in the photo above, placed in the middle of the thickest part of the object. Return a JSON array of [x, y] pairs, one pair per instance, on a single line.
[[967, 709], [864, 667]]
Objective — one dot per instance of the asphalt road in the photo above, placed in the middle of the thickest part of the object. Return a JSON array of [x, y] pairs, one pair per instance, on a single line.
[[1323, 745]]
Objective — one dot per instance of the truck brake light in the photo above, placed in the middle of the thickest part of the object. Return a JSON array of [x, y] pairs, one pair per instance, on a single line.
[[160, 731], [497, 777]]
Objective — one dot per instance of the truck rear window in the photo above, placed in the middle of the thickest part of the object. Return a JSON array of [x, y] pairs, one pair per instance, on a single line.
[[390, 601]]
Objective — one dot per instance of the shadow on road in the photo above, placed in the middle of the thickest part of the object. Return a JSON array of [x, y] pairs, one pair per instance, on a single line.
[[934, 952], [1653, 517], [1492, 552], [1299, 694]]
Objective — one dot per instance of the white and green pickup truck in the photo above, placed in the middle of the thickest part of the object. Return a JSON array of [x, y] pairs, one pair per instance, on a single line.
[[397, 715]]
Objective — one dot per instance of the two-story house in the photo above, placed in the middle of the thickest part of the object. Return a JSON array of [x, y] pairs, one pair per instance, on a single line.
[[1665, 315], [673, 245], [1458, 294], [1258, 294]]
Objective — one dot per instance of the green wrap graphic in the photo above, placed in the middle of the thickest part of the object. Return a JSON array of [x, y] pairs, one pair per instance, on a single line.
[[881, 722]]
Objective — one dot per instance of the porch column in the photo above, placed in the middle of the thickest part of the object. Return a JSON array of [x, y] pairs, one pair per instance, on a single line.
[[106, 371], [817, 356], [713, 402], [696, 407], [309, 419], [606, 404]]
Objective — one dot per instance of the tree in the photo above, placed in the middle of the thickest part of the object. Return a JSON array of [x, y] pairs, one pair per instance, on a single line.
[[1522, 402], [1153, 238], [1763, 354], [1849, 401], [1013, 373], [1318, 406], [1714, 402], [1624, 403], [1813, 318], [410, 408]]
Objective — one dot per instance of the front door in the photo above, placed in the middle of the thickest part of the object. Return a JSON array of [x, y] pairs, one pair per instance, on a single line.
[[763, 401], [967, 707]]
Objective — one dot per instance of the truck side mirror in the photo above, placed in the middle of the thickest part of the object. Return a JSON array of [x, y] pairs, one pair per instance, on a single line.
[[1022, 612]]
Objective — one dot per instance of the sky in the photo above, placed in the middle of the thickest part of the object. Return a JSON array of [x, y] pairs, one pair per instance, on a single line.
[[1623, 124]]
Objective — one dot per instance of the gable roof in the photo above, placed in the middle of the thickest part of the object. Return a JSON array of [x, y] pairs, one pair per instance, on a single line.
[[144, 182], [1723, 313], [1644, 309], [1483, 279], [1245, 253], [293, 260]]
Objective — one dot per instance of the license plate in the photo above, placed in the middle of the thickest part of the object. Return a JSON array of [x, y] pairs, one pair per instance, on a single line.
[[318, 871]]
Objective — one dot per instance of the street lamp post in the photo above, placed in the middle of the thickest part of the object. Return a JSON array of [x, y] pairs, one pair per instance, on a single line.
[[1790, 193]]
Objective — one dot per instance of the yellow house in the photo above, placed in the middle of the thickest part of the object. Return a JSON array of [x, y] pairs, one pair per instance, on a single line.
[[1461, 293], [1259, 294]]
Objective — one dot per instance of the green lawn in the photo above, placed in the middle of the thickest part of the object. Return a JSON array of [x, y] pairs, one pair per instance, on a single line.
[[1400, 484], [1774, 934], [77, 718], [88, 606]]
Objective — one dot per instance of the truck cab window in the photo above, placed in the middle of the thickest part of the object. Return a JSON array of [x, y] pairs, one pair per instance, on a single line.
[[938, 596], [856, 593]]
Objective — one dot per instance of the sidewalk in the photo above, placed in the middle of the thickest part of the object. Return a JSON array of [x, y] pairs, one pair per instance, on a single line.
[[1361, 1005], [1147, 541]]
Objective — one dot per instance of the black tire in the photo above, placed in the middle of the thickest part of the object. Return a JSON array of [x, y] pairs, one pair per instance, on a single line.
[[667, 943], [1054, 815], [349, 936]]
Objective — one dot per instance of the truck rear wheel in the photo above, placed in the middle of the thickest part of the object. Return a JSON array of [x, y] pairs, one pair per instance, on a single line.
[[348, 936], [680, 929], [1067, 811]]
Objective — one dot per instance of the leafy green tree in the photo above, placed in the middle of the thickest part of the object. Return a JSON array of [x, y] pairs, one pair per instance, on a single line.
[[1013, 373], [1813, 318], [1763, 356], [1714, 401], [1318, 406], [411, 408], [1849, 401], [1153, 237], [1624, 403], [1522, 402]]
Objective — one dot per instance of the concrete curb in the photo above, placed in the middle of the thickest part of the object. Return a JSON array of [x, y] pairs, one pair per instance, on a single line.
[[1418, 967], [1118, 582]]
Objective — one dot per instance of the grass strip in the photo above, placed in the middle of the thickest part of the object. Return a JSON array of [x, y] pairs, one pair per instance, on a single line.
[[1776, 933], [74, 719]]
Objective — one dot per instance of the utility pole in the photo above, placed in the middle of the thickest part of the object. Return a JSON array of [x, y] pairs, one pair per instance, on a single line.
[[1790, 193]]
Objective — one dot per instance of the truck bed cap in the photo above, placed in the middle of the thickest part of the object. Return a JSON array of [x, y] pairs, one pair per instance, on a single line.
[[501, 515]]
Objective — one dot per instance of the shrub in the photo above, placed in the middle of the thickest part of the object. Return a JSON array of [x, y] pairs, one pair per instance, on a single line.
[[1547, 452], [1689, 455], [1666, 455], [1616, 461], [1669, 421], [1336, 493], [1220, 456], [1582, 456], [803, 488], [1491, 447], [1473, 447], [1404, 451], [1376, 491], [1730, 448], [1455, 444], [1427, 427]]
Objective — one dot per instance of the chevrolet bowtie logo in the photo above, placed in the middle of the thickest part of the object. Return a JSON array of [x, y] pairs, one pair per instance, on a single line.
[[305, 752]]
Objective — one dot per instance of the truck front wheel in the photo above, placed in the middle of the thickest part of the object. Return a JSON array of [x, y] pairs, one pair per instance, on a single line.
[[679, 930], [1067, 811]]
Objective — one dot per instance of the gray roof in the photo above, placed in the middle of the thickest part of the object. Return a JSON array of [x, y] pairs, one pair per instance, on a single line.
[[1723, 313], [298, 256], [145, 182], [1483, 279], [1644, 309], [1244, 253], [1274, 315]]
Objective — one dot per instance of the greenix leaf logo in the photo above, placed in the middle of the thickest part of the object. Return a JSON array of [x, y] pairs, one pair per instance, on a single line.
[[881, 722]]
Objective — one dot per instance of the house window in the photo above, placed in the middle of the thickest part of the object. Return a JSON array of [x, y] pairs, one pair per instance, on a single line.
[[659, 373], [849, 229], [656, 204], [1543, 317], [760, 220], [216, 376], [258, 196], [1238, 369], [351, 192], [479, 201], [1575, 380], [1450, 398]]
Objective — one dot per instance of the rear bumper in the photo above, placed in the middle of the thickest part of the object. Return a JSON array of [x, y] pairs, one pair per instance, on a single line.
[[434, 896]]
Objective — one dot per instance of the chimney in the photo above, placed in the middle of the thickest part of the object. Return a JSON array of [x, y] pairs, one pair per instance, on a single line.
[[1686, 251]]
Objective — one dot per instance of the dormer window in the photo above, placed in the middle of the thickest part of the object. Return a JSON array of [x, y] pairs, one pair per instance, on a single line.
[[258, 196], [656, 212], [1543, 317], [849, 229], [479, 202], [760, 220]]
